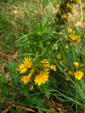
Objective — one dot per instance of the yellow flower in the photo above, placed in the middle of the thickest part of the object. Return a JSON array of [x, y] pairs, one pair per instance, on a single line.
[[78, 0], [45, 63], [68, 5], [31, 87], [64, 15], [53, 67], [63, 61], [58, 6], [31, 71], [65, 69], [26, 64], [76, 64], [69, 30], [25, 79], [79, 74], [56, 45], [70, 73], [58, 56], [70, 43], [67, 79], [41, 78], [73, 37], [46, 70]]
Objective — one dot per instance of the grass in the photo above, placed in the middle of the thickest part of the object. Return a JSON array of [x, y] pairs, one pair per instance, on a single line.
[[29, 29]]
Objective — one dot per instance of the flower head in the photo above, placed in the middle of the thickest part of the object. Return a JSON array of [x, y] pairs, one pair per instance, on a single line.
[[67, 79], [64, 15], [41, 78], [65, 69], [69, 30], [26, 64], [68, 5], [70, 73], [76, 64], [25, 79], [45, 63], [73, 37], [31, 88], [53, 67], [58, 56], [79, 74], [58, 6]]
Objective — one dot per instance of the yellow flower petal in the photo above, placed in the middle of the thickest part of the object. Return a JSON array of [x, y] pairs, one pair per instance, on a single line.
[[41, 78], [45, 63], [68, 5], [53, 67], [58, 6], [25, 79]]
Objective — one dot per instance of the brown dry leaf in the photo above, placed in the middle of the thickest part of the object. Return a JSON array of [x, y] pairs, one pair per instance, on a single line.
[[59, 106], [15, 55], [24, 108], [52, 109], [1, 68], [8, 77], [6, 110]]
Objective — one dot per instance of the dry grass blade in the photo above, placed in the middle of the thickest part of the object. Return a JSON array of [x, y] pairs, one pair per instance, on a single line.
[[6, 110], [24, 108]]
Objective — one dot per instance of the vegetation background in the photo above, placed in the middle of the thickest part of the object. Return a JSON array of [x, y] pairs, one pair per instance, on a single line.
[[31, 28]]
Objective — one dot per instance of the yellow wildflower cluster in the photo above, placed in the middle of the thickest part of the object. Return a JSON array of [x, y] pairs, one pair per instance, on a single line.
[[63, 9], [41, 78], [47, 64], [78, 74], [72, 36]]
